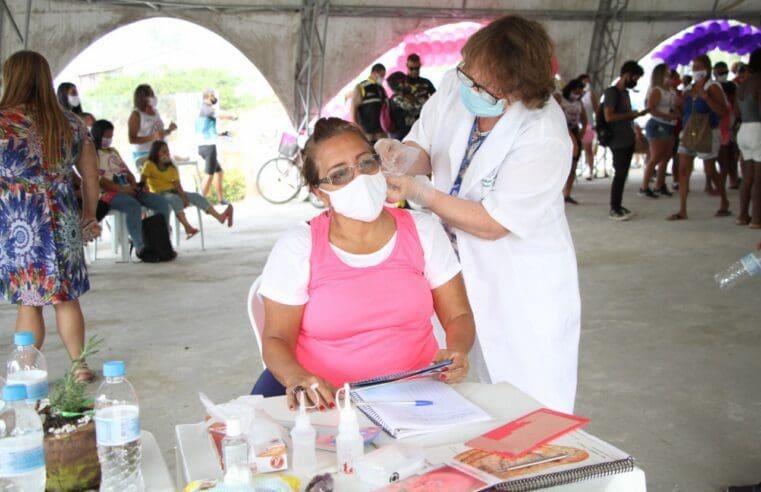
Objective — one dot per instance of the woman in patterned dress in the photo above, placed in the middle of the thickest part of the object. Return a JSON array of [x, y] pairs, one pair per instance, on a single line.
[[41, 232]]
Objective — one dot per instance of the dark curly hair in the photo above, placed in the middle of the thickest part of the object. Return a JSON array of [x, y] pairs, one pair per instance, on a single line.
[[324, 129]]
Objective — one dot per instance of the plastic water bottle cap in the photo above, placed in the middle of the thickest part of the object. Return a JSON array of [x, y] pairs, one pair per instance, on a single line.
[[14, 392], [232, 427], [113, 369], [23, 338]]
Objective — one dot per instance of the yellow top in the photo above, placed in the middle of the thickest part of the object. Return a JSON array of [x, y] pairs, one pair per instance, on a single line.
[[159, 181]]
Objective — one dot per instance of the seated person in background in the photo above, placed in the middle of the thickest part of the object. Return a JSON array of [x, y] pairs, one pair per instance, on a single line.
[[120, 190], [350, 295], [162, 177]]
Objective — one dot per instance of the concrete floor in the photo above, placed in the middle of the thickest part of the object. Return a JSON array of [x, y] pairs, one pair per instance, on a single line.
[[670, 367]]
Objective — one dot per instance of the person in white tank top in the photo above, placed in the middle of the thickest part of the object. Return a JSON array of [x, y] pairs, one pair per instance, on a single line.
[[659, 130], [145, 124], [591, 102]]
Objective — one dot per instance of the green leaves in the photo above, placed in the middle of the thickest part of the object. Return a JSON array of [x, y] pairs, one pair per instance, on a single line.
[[68, 394]]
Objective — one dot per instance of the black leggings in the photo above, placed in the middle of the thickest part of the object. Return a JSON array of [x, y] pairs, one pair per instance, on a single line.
[[622, 160]]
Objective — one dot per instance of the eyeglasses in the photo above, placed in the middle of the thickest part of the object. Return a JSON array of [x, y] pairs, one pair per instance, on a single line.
[[413, 68], [481, 90], [345, 174]]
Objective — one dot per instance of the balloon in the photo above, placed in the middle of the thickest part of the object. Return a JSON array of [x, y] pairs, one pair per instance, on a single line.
[[714, 27]]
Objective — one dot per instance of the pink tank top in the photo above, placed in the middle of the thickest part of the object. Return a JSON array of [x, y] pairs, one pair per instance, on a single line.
[[366, 322]]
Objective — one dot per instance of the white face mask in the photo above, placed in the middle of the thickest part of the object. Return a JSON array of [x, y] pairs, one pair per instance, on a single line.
[[361, 199], [73, 101], [105, 143], [699, 75], [152, 101], [722, 78]]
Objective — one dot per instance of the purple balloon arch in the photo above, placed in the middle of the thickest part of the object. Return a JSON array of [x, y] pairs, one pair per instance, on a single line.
[[710, 35]]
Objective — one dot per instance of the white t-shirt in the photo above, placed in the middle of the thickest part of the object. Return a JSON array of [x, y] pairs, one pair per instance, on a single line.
[[285, 278]]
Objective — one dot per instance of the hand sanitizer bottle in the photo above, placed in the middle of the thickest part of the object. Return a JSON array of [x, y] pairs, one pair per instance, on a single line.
[[349, 443], [303, 437]]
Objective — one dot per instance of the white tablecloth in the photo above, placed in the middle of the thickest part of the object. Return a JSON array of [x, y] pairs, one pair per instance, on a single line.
[[197, 458]]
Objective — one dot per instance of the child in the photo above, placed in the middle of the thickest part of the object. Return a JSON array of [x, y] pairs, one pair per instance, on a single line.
[[162, 177]]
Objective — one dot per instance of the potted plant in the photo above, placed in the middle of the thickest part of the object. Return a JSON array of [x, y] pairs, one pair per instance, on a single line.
[[71, 454]]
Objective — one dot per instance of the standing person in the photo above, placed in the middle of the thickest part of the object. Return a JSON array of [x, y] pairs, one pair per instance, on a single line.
[[41, 230], [68, 98], [367, 102], [704, 105], [749, 141], [421, 88], [402, 105], [617, 108], [145, 125], [498, 147], [121, 191], [659, 130], [576, 119], [676, 82], [206, 131], [727, 158], [591, 103]]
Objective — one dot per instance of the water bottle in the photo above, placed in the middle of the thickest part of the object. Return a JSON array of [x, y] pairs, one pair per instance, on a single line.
[[22, 454], [27, 366], [117, 431], [747, 266], [235, 457]]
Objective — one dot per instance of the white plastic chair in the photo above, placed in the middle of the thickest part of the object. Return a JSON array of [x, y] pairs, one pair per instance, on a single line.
[[197, 188], [119, 236], [255, 307]]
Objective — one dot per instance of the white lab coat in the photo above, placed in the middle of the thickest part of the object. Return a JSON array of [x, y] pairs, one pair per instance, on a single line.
[[523, 288]]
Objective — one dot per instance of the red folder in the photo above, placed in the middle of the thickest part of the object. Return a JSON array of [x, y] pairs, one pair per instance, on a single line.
[[527, 433]]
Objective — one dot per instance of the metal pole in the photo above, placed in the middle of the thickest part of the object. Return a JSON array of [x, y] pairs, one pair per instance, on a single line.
[[26, 26], [322, 58]]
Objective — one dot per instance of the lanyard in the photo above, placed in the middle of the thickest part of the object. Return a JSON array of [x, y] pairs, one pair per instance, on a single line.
[[475, 139]]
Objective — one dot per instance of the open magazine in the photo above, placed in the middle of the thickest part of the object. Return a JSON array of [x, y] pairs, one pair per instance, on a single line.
[[572, 458]]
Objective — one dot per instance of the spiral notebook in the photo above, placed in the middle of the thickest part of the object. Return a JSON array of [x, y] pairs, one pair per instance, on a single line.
[[575, 457], [449, 408]]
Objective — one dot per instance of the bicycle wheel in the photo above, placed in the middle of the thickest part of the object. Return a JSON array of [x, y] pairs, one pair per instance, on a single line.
[[279, 180]]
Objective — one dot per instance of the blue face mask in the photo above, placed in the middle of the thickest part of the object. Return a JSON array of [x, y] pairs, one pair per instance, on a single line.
[[478, 106]]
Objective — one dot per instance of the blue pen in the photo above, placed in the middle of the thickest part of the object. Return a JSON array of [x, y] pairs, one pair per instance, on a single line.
[[412, 403]]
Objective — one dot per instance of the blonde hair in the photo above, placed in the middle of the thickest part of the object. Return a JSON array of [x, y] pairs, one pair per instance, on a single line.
[[27, 80], [659, 74], [516, 54]]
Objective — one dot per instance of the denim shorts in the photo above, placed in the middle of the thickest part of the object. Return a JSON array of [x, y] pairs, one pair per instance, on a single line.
[[656, 130]]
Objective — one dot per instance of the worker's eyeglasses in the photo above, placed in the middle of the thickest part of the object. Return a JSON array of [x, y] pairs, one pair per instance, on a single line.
[[413, 68], [480, 90], [343, 175]]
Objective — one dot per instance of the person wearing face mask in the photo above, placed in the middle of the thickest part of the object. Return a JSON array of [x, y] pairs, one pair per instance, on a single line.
[[68, 97], [497, 145], [350, 295], [703, 107], [206, 132], [721, 72], [120, 189], [576, 119], [617, 109], [145, 125], [367, 101], [421, 88], [659, 130]]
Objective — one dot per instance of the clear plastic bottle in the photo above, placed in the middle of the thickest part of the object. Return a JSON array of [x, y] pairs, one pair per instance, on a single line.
[[303, 437], [747, 266], [117, 430], [349, 442], [27, 366], [22, 455], [235, 457]]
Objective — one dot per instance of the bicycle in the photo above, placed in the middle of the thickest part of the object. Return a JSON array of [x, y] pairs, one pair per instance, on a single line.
[[279, 180]]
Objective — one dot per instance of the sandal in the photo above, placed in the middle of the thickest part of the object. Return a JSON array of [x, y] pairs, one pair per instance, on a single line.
[[84, 374], [723, 213], [742, 221], [229, 215], [754, 226], [190, 234], [677, 217]]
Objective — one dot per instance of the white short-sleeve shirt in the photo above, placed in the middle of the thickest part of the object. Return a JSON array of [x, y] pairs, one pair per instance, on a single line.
[[285, 278]]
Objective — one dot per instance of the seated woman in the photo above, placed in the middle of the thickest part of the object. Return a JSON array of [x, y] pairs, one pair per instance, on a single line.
[[351, 295], [120, 190], [163, 178]]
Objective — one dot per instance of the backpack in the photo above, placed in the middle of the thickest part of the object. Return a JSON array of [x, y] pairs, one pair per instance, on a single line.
[[158, 247], [386, 119], [602, 127]]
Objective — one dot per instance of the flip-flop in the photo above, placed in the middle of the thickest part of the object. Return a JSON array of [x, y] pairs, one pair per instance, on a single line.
[[84, 374], [191, 234], [676, 217], [229, 213], [742, 221], [754, 226], [723, 213]]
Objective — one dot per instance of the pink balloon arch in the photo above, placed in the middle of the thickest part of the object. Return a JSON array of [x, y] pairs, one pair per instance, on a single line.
[[707, 36]]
